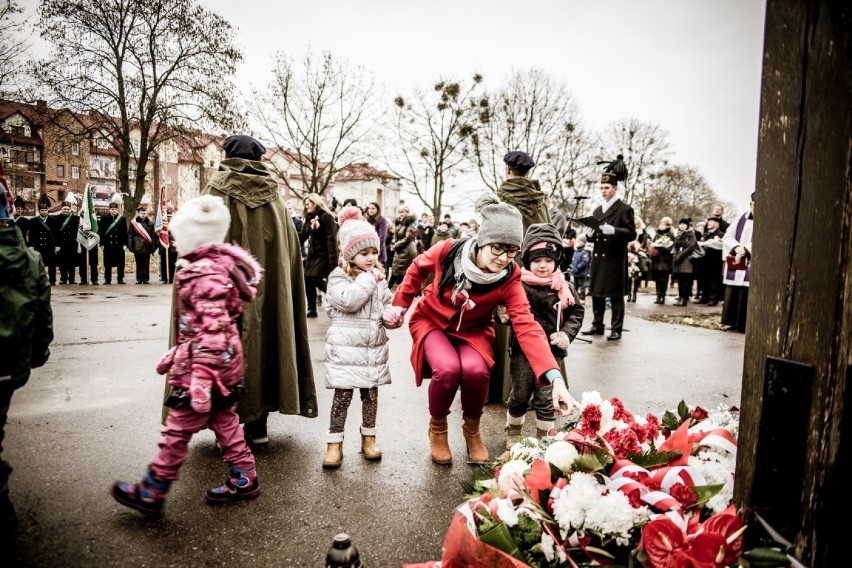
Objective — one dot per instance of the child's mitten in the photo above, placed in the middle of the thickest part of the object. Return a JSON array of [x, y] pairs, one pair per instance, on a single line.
[[502, 314], [560, 339], [200, 387], [166, 361]]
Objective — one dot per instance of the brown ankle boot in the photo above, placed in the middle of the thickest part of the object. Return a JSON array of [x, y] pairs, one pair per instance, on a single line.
[[439, 447], [368, 444], [334, 452], [476, 451]]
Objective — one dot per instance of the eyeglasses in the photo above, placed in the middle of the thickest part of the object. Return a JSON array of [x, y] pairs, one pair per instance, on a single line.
[[497, 251]]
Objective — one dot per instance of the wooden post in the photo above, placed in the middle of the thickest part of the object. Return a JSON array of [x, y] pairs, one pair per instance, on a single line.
[[794, 435]]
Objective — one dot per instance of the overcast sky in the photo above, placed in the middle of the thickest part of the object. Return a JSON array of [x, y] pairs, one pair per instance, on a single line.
[[693, 66]]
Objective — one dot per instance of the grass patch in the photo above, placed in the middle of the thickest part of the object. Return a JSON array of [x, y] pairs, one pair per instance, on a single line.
[[706, 321]]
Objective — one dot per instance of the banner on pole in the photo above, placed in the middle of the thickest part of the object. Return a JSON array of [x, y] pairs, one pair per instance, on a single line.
[[87, 234]]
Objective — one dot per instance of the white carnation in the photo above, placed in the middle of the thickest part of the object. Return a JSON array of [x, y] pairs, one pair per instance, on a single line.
[[582, 493], [512, 474], [561, 454], [507, 513]]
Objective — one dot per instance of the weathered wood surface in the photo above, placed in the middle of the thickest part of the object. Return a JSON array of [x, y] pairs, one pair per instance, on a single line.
[[801, 291]]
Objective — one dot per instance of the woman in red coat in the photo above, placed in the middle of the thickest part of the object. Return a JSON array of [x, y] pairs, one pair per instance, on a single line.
[[452, 325]]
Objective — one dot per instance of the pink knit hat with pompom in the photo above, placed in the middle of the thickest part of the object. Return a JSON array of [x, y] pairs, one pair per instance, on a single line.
[[355, 233]]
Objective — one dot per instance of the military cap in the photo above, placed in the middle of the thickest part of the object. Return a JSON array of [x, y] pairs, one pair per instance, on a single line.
[[518, 161]]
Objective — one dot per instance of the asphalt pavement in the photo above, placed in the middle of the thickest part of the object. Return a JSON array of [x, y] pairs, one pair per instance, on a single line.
[[92, 416]]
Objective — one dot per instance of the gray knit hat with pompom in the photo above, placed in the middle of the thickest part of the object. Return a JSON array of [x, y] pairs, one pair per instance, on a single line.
[[501, 223]]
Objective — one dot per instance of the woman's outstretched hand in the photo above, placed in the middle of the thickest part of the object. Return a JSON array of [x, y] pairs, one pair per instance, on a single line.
[[563, 402]]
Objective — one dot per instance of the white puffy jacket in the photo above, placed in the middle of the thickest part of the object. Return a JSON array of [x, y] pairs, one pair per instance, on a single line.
[[356, 344]]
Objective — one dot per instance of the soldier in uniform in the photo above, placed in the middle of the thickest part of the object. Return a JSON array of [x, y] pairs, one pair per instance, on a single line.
[[113, 231], [65, 226], [609, 257], [140, 241], [88, 257], [21, 222], [40, 237]]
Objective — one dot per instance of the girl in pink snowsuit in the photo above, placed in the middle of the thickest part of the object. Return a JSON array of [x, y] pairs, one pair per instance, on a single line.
[[205, 368]]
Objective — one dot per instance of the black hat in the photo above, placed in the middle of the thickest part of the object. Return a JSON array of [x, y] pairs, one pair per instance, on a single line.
[[686, 220], [242, 146], [542, 239], [44, 201], [67, 204], [142, 208], [20, 203], [113, 205], [717, 219], [518, 161], [609, 178]]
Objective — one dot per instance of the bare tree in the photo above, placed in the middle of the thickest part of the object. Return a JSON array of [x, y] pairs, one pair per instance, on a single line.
[[13, 46], [645, 148], [534, 113], [321, 113], [567, 168], [678, 191], [430, 130], [141, 72]]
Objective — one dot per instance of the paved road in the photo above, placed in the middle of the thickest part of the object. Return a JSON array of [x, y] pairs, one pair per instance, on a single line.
[[91, 416]]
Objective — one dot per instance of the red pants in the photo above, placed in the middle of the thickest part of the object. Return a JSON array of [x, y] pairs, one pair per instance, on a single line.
[[182, 423], [455, 365]]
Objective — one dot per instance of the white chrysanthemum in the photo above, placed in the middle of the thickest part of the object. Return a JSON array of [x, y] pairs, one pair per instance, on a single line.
[[582, 493], [614, 515], [717, 469], [507, 513], [512, 474], [526, 449], [561, 454]]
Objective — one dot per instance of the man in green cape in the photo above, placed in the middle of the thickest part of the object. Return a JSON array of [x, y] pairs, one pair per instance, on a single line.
[[279, 375], [526, 195]]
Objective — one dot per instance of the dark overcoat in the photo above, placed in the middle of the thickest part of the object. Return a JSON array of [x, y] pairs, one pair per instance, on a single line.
[[609, 257], [113, 238], [40, 237], [322, 244]]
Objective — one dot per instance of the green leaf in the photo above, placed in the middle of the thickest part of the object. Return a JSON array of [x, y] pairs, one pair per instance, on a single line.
[[766, 558], [670, 421], [704, 493], [652, 458], [683, 410], [499, 537], [588, 464]]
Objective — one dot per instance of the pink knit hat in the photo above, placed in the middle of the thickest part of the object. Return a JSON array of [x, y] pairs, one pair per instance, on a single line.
[[355, 233]]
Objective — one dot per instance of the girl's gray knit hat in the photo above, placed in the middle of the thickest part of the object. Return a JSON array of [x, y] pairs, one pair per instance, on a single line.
[[501, 223]]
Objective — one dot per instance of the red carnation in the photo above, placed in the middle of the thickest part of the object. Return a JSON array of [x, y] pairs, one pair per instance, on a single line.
[[684, 495]]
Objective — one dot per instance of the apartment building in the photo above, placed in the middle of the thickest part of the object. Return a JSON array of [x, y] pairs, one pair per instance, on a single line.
[[57, 152]]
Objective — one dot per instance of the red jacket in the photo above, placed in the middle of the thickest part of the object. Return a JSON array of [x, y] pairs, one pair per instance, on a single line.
[[477, 323]]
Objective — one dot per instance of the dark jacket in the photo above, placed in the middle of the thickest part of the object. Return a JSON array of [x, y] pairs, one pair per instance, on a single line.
[[542, 300], [26, 328], [65, 233], [113, 238], [404, 244], [609, 256], [581, 263], [136, 243], [381, 225], [322, 244], [685, 243], [40, 237], [660, 251]]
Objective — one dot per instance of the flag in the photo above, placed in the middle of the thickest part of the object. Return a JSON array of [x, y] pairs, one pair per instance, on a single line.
[[87, 234], [159, 227]]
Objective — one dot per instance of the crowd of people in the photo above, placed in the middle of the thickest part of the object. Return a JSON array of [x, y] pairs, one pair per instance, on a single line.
[[250, 279]]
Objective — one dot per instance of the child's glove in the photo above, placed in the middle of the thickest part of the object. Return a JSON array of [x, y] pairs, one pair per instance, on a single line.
[[560, 339], [377, 274], [393, 316], [200, 387], [502, 314], [166, 361]]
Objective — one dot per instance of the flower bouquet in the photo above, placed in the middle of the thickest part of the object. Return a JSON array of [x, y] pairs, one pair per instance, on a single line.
[[609, 488]]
